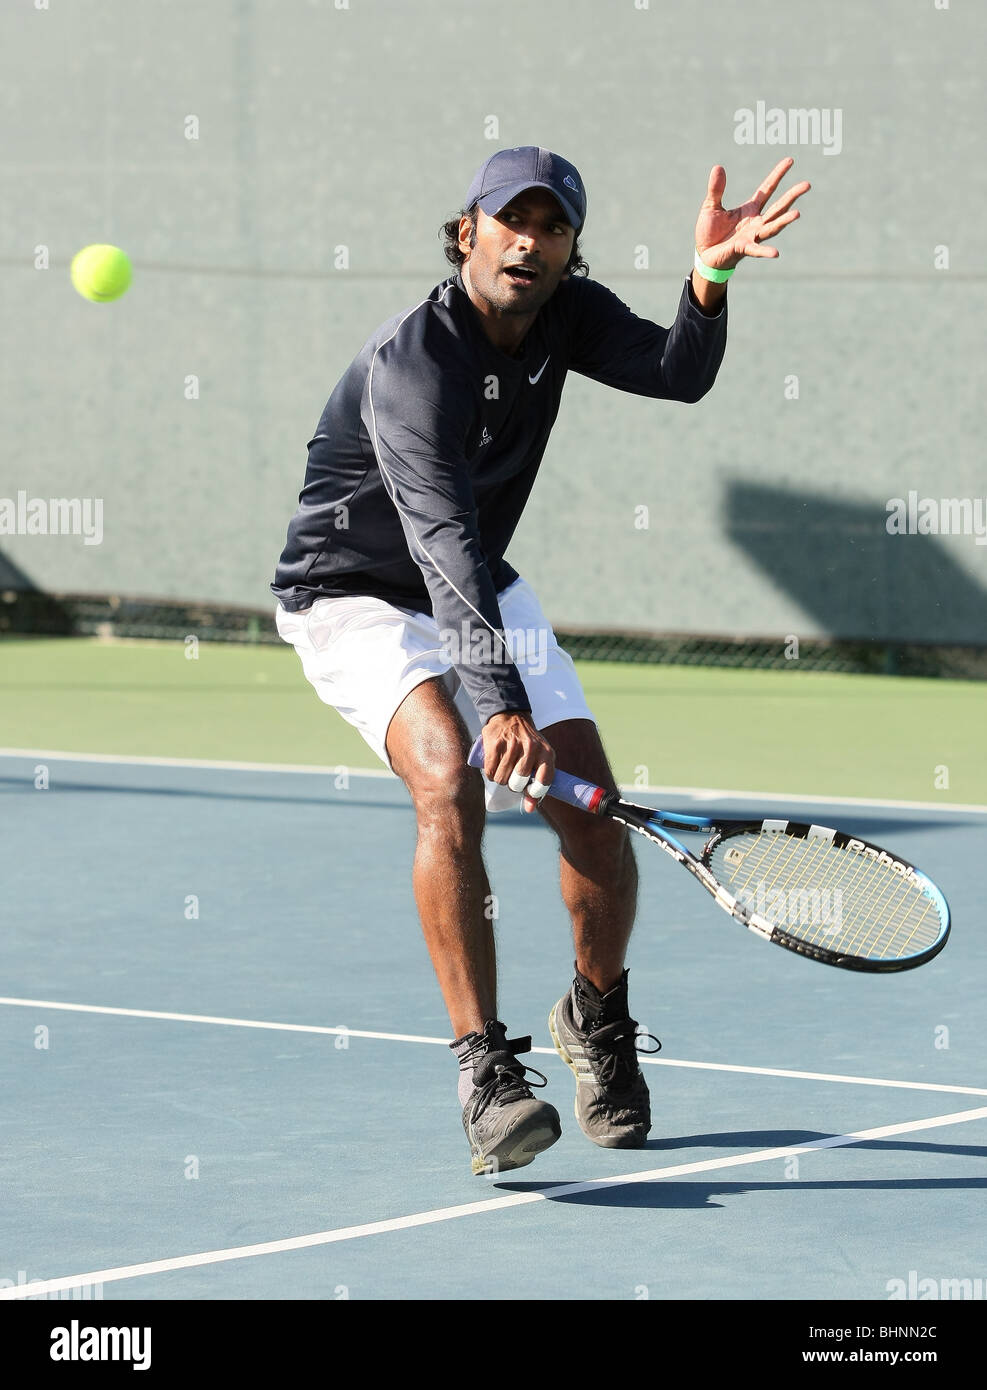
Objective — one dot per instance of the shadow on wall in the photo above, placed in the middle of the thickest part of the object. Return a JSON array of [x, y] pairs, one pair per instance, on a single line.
[[48, 614], [13, 578], [836, 560]]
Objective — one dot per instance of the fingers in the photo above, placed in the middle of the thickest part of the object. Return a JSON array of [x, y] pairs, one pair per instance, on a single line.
[[748, 244], [762, 229], [536, 783], [785, 201], [716, 187], [516, 754], [765, 189], [756, 226], [770, 229], [537, 791]]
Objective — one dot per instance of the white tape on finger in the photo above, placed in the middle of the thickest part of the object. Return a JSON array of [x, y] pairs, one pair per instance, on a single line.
[[537, 790], [517, 781]]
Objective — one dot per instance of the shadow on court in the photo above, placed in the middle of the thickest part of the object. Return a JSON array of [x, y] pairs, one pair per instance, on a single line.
[[693, 1195], [772, 1139], [662, 1193]]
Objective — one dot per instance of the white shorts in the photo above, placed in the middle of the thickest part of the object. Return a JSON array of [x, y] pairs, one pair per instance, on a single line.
[[363, 655]]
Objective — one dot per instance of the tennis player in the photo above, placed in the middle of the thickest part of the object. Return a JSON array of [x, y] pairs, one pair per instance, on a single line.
[[394, 589]]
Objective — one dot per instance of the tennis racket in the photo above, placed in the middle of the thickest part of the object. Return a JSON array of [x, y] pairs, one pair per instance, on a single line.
[[826, 895]]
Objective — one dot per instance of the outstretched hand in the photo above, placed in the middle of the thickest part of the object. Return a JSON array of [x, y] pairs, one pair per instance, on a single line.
[[724, 237]]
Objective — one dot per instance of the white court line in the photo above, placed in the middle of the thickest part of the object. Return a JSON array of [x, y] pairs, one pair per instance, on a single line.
[[804, 1075], [342, 1031], [228, 1022], [698, 793], [126, 759], [517, 1199]]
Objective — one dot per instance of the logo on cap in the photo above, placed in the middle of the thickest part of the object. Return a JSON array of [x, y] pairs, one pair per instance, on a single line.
[[509, 172]]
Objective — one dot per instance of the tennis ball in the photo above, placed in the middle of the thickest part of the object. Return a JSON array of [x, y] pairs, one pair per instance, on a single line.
[[100, 273]]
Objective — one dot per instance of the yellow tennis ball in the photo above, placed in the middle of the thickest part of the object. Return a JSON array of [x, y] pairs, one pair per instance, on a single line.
[[101, 273]]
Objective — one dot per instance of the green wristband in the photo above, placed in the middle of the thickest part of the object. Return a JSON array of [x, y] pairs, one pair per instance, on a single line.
[[708, 273]]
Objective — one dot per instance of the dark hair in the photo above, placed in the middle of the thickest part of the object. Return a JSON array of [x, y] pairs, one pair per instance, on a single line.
[[450, 230]]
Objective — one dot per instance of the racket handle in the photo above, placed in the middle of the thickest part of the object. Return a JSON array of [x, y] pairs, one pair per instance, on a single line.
[[574, 790]]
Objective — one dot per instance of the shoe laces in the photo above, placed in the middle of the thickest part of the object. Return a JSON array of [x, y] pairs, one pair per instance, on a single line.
[[503, 1076], [613, 1049]]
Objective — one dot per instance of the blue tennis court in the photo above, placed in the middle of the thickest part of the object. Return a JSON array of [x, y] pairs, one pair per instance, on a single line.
[[227, 1078]]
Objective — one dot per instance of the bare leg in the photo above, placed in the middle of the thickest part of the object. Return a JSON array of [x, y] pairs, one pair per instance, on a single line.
[[598, 872], [428, 744]]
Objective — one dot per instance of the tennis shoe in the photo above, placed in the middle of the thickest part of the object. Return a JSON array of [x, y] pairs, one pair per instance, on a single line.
[[613, 1106], [507, 1127]]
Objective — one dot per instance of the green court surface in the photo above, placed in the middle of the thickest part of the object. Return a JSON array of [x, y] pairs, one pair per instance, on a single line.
[[786, 731]]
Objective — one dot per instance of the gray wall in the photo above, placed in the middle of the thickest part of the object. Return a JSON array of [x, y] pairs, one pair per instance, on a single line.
[[362, 126]]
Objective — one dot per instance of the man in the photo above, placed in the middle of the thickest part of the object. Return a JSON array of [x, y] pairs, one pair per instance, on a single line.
[[394, 590]]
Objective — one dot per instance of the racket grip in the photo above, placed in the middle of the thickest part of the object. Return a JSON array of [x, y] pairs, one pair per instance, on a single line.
[[574, 790]]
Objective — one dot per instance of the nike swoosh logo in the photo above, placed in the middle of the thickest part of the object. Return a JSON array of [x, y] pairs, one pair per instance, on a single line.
[[537, 374]]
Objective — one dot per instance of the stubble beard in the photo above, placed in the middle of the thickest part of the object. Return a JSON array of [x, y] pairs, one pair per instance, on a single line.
[[503, 300]]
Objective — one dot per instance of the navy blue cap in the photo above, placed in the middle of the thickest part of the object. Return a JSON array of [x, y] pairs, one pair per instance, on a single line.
[[509, 172]]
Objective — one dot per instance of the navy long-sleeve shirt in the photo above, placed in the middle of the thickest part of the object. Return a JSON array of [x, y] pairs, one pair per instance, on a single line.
[[429, 446]]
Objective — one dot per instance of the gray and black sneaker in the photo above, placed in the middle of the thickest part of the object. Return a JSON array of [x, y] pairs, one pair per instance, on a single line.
[[595, 1037], [506, 1126]]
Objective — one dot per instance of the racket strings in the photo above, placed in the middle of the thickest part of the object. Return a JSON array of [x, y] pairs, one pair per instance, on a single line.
[[903, 906], [824, 895]]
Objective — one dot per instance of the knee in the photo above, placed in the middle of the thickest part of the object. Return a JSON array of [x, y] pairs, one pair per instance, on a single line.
[[606, 852], [447, 795], [584, 838]]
